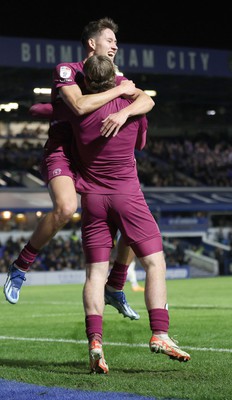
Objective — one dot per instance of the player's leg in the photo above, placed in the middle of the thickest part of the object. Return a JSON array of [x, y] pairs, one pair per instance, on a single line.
[[156, 303], [93, 300], [97, 240], [64, 206], [114, 294], [97, 233], [141, 231]]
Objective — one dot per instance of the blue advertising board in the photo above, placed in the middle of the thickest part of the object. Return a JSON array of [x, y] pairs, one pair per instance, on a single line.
[[133, 58], [160, 200]]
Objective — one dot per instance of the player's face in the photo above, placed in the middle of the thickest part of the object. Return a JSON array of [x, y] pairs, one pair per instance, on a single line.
[[106, 44]]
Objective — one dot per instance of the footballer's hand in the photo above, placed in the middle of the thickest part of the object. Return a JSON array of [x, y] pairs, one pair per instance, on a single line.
[[112, 123], [128, 88]]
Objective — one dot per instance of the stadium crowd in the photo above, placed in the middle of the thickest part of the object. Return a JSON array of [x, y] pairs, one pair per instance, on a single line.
[[161, 163], [205, 163], [60, 254], [165, 161], [66, 253]]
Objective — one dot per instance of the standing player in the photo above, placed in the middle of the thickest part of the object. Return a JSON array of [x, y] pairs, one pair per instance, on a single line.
[[112, 199], [98, 37]]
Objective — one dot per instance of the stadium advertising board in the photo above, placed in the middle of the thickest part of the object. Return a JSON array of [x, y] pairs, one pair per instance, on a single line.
[[160, 200], [46, 53]]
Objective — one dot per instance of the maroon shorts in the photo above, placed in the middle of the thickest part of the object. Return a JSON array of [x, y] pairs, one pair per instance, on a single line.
[[56, 164], [57, 155], [103, 215]]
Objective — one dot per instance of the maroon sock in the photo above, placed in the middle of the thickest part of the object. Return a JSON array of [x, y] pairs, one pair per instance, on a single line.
[[93, 327], [26, 257], [117, 276], [159, 319]]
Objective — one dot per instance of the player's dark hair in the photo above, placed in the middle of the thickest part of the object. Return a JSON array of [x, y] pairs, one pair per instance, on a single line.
[[99, 74], [94, 28]]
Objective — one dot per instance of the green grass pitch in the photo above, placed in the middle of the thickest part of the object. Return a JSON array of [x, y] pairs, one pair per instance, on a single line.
[[43, 342]]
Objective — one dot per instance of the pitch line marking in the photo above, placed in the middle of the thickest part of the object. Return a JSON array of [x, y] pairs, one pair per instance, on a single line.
[[107, 343]]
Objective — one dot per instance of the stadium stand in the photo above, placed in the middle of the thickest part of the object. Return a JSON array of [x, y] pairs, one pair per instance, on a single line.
[[185, 169]]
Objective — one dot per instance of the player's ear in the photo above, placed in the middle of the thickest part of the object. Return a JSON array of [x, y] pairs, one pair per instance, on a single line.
[[92, 43]]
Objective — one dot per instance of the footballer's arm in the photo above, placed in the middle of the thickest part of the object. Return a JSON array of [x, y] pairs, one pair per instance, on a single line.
[[82, 104], [141, 105]]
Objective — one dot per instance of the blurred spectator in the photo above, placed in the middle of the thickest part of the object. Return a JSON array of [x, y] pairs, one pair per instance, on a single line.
[[219, 256], [166, 161], [59, 254]]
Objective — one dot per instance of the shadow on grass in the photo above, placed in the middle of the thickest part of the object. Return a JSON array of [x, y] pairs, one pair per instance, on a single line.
[[47, 366], [75, 367]]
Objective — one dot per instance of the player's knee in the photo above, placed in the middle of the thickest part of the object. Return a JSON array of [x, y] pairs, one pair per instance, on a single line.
[[65, 212]]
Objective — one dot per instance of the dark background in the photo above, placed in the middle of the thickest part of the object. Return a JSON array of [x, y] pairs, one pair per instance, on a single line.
[[191, 25], [140, 23]]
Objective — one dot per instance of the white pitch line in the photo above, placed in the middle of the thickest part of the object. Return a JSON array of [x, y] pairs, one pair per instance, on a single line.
[[79, 303], [107, 343]]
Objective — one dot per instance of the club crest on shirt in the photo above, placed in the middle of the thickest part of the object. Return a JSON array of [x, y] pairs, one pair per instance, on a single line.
[[65, 72], [56, 172]]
